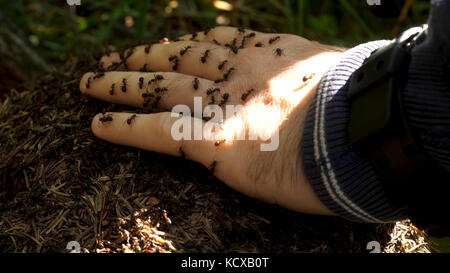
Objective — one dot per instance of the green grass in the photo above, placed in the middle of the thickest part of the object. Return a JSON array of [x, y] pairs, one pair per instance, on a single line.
[[60, 31]]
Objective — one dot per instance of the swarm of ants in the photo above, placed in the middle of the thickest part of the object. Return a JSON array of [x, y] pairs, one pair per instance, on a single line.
[[152, 98]]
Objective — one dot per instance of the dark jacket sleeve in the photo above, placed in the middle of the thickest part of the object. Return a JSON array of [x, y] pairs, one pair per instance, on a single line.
[[344, 179]]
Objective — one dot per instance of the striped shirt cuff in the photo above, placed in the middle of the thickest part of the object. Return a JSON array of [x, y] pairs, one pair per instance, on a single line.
[[342, 178]]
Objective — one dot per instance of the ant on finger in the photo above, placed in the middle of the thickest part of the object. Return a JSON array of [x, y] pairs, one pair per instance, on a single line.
[[182, 154], [224, 99], [212, 166], [106, 118], [212, 90], [130, 119], [222, 64], [196, 83], [147, 48], [111, 91], [124, 85], [227, 74], [207, 30], [160, 89], [245, 95], [205, 55], [88, 83], [185, 50]]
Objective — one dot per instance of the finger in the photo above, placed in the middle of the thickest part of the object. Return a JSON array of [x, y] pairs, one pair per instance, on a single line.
[[231, 36], [153, 90], [188, 57], [153, 132]]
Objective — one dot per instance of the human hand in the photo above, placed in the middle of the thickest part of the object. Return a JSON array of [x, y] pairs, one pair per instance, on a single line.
[[273, 77]]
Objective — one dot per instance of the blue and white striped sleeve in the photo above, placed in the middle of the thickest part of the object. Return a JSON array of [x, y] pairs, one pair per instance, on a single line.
[[340, 175]]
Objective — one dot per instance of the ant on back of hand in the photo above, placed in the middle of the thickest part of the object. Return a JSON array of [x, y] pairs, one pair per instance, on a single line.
[[274, 39], [279, 51]]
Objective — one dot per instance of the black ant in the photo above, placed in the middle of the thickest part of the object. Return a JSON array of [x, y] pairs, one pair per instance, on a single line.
[[242, 43], [106, 118], [233, 43], [232, 48], [88, 82], [124, 85], [212, 90], [144, 68], [308, 77], [184, 50], [218, 80], [279, 51], [130, 119], [206, 31], [111, 91], [121, 54], [194, 35], [112, 66], [212, 167], [245, 95], [173, 58], [225, 76], [182, 154], [175, 65], [221, 65], [196, 83], [259, 44], [224, 99], [160, 89], [241, 30], [250, 35], [156, 101], [205, 55], [218, 142], [213, 100], [156, 78], [216, 42], [272, 40], [141, 82], [147, 48]]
